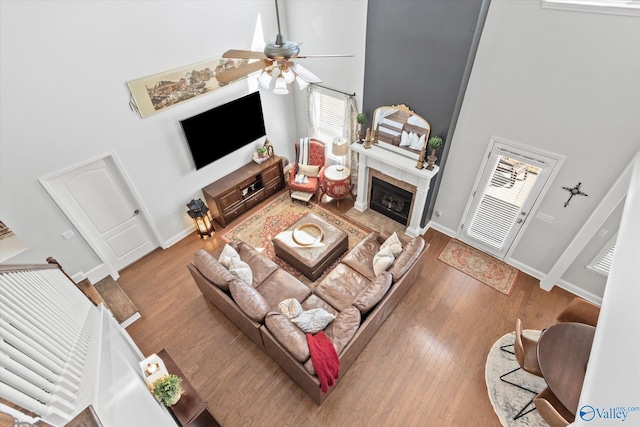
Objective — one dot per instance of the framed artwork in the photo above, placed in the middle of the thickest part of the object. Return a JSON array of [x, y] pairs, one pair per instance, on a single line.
[[156, 93]]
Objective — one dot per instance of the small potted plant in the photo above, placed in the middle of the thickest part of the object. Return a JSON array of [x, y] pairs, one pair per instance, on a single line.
[[167, 389], [262, 152], [435, 142], [361, 119]]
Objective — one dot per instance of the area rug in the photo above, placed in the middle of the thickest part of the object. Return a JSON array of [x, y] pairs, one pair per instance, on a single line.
[[258, 229], [482, 267], [506, 399], [376, 221]]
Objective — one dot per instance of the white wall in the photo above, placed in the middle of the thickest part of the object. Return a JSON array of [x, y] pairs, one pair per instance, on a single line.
[[64, 69], [565, 82]]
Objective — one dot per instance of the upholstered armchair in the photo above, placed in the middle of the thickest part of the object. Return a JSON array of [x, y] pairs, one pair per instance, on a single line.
[[316, 158]]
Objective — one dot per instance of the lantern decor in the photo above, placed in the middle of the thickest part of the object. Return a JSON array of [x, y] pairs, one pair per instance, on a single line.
[[201, 216], [152, 370]]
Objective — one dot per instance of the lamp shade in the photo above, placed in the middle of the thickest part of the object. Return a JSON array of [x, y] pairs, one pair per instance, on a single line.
[[288, 75], [281, 86], [339, 146], [265, 79], [301, 83]]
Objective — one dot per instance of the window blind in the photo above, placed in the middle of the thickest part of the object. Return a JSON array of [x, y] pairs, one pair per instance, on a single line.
[[601, 263]]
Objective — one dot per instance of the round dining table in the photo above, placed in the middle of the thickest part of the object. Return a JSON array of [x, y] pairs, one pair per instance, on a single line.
[[563, 354]]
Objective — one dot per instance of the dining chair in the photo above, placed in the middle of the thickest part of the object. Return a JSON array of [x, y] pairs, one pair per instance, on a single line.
[[551, 410], [526, 352], [581, 311]]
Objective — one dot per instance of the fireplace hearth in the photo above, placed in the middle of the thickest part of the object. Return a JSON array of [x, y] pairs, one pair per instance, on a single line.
[[391, 201]]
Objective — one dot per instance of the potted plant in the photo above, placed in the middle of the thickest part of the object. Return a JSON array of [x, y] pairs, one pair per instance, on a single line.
[[167, 389], [262, 152], [435, 142], [361, 119]]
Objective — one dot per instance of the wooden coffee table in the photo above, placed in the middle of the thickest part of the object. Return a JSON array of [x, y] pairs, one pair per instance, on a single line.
[[314, 259]]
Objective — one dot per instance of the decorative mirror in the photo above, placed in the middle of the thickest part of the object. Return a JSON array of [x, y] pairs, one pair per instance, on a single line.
[[398, 129]]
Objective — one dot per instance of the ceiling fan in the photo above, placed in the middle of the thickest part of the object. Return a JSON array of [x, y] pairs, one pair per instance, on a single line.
[[275, 60]]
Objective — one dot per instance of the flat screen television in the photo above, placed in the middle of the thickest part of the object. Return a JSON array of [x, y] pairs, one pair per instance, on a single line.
[[222, 130]]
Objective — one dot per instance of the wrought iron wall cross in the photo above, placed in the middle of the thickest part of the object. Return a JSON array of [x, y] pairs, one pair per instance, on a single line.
[[574, 191]]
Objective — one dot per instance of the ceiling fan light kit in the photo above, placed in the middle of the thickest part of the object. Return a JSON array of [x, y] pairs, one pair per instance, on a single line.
[[275, 60]]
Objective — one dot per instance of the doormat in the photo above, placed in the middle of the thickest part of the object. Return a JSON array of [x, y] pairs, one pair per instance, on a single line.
[[482, 267], [258, 229], [508, 399]]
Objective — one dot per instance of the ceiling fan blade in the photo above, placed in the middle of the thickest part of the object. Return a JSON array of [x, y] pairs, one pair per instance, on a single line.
[[340, 55], [236, 73], [305, 74], [243, 54]]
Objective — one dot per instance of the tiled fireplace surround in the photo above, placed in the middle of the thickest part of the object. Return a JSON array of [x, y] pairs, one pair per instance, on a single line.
[[397, 170]]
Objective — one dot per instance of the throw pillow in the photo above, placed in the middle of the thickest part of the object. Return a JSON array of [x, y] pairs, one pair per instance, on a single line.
[[309, 170], [290, 307], [212, 269], [227, 253], [249, 300], [404, 139], [314, 320], [382, 260], [394, 243], [241, 270]]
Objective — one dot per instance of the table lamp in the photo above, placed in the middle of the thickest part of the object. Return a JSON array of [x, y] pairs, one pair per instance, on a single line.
[[340, 148]]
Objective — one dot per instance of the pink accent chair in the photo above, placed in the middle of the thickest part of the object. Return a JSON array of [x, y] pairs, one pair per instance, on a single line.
[[317, 157]]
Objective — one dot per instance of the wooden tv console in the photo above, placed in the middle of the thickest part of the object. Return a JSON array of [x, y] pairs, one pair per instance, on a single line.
[[242, 189]]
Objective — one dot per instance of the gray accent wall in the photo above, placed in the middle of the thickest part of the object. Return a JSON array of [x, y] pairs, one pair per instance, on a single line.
[[416, 54]]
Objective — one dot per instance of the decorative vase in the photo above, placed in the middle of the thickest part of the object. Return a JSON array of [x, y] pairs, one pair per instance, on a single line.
[[431, 159], [175, 399]]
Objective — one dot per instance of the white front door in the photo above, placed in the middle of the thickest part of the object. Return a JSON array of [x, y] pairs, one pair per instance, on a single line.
[[100, 203], [511, 181]]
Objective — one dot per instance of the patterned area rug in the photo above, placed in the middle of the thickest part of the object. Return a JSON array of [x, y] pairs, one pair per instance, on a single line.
[[488, 270], [376, 221], [261, 227], [506, 399]]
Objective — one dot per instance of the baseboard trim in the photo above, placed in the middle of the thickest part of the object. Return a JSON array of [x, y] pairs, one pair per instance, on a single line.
[[94, 275], [176, 238], [441, 228], [130, 320], [576, 290]]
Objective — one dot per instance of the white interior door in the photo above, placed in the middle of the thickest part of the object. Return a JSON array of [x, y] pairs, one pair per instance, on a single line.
[[100, 203], [511, 181]]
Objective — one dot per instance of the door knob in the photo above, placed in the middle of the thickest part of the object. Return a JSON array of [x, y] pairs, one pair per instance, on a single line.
[[136, 212]]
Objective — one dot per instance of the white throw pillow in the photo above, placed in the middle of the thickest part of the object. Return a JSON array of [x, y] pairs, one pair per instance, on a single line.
[[394, 243], [415, 142], [382, 260], [241, 270], [290, 307], [309, 170], [404, 139], [314, 320], [227, 253]]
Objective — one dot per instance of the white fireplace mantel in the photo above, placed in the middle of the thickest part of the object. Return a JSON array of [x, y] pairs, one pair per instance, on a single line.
[[399, 167]]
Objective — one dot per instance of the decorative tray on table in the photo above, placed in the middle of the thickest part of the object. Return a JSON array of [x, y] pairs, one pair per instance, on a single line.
[[307, 234]]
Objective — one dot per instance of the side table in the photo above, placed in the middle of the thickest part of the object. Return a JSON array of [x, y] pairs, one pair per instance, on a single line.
[[190, 410], [336, 183]]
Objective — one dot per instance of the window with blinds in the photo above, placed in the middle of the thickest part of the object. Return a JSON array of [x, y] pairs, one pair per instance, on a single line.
[[326, 114], [601, 263], [503, 194]]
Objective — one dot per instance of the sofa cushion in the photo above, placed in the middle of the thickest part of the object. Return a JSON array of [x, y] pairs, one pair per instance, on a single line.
[[211, 268], [373, 293], [281, 285], [340, 332], [290, 307], [360, 258], [249, 300], [288, 335], [260, 264], [341, 286], [313, 301], [382, 260], [228, 252], [409, 254], [394, 243], [241, 270]]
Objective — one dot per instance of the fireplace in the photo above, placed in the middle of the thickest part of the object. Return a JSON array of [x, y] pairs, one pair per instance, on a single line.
[[391, 201], [398, 171]]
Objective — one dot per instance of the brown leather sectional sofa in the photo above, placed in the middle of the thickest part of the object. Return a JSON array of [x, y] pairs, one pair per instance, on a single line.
[[360, 301]]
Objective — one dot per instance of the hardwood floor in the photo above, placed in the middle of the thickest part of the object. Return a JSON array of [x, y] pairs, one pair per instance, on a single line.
[[424, 367]]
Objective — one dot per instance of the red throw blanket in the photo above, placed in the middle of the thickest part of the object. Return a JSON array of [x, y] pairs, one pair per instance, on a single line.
[[325, 360]]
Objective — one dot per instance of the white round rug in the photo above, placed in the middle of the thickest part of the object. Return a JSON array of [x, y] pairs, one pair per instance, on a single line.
[[506, 399]]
